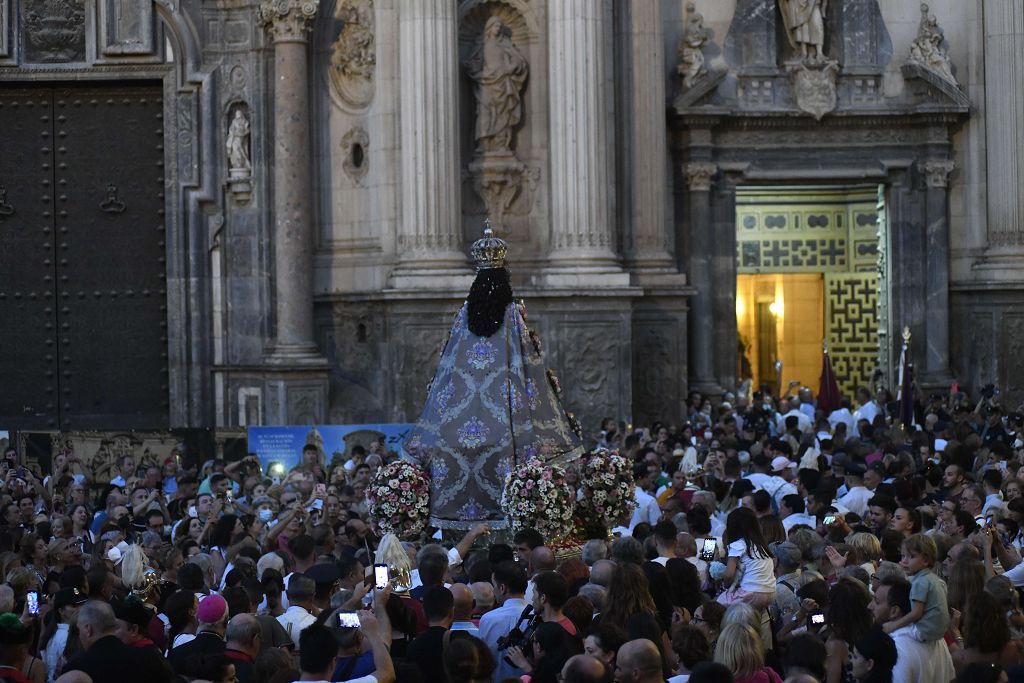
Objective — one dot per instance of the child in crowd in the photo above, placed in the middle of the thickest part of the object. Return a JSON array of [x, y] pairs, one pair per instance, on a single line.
[[929, 612], [749, 574]]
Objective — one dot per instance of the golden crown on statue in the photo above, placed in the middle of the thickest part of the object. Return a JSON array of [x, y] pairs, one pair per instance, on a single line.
[[489, 251]]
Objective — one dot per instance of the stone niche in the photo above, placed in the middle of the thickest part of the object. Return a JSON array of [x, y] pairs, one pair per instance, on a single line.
[[503, 177]]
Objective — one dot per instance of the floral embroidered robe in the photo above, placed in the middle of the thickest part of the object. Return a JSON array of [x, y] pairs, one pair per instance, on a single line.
[[491, 403]]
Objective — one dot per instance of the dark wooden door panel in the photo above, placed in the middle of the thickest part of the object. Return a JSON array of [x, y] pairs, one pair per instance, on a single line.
[[82, 258], [29, 366], [112, 257]]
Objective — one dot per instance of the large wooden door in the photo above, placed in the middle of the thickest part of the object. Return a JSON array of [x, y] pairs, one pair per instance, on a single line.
[[83, 299]]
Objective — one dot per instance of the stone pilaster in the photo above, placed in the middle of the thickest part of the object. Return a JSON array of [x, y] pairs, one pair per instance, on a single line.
[[647, 243], [429, 230], [287, 23], [294, 384], [579, 82], [936, 365], [699, 175], [1004, 110]]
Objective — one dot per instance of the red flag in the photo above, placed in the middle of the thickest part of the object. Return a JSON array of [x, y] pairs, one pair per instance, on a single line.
[[828, 388]]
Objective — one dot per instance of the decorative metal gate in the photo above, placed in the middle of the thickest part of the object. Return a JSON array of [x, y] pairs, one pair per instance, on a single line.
[[83, 300], [840, 232]]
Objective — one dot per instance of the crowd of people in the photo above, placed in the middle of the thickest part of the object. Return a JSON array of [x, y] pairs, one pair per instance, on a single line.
[[770, 541]]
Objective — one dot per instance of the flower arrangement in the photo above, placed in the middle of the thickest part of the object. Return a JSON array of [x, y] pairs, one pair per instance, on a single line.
[[607, 490], [537, 496], [399, 497]]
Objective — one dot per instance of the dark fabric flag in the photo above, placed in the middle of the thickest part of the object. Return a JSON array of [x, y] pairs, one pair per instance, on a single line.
[[828, 388]]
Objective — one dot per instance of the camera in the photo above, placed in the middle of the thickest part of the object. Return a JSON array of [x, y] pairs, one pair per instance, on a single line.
[[521, 637]]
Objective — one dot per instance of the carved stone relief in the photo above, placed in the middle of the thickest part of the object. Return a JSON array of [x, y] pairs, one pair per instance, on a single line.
[[655, 365], [353, 342], [127, 27], [699, 175], [415, 363], [814, 87], [691, 47], [586, 353], [54, 30], [936, 171], [354, 53], [927, 50], [354, 146]]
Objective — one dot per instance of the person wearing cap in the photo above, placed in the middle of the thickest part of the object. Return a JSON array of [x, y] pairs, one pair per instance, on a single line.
[[212, 620], [780, 483], [133, 618], [788, 558], [15, 638], [327, 577], [66, 602]]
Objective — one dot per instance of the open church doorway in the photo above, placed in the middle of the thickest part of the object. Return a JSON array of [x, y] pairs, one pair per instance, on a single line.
[[811, 266]]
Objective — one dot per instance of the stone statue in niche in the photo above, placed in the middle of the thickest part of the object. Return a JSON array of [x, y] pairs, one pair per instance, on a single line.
[[927, 51], [238, 146], [805, 27], [691, 47], [239, 161], [499, 72]]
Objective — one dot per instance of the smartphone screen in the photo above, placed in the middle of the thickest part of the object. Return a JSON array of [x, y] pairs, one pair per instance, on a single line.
[[817, 618], [830, 520], [381, 576], [348, 620], [321, 490], [707, 551], [32, 598]]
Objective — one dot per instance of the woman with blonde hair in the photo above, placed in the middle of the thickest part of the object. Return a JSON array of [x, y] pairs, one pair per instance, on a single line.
[[740, 649], [865, 550]]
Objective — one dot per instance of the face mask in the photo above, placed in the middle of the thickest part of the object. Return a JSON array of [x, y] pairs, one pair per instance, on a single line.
[[266, 515]]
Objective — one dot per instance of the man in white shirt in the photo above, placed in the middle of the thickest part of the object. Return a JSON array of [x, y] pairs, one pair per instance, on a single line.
[[916, 661], [992, 480], [857, 495], [298, 616], [867, 410], [665, 540], [509, 580], [792, 511], [647, 509], [803, 422], [843, 414]]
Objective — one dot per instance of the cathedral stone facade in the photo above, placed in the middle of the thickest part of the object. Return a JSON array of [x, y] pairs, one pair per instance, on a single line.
[[326, 164]]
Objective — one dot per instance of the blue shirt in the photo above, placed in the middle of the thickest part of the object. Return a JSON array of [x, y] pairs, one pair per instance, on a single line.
[[496, 624]]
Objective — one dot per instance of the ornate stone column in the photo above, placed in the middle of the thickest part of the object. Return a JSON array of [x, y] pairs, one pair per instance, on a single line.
[[579, 83], [288, 22], [936, 365], [646, 245], [700, 251], [429, 231]]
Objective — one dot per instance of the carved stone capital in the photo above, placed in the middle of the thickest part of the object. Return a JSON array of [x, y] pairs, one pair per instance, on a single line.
[[937, 171], [287, 21], [699, 174]]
